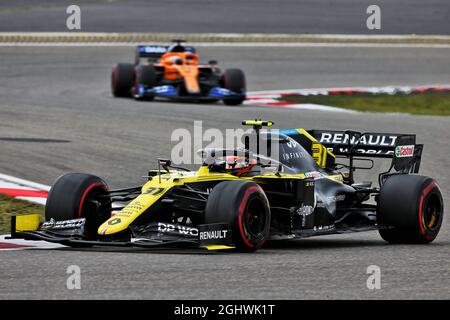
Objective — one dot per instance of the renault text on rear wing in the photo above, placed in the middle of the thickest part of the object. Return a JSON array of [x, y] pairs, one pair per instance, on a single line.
[[382, 145]]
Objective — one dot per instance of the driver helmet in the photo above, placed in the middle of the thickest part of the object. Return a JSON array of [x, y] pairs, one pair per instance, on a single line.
[[175, 60], [238, 162]]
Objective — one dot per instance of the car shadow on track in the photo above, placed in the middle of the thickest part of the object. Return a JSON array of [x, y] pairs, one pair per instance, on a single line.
[[190, 251], [324, 244], [175, 101], [269, 247], [314, 244]]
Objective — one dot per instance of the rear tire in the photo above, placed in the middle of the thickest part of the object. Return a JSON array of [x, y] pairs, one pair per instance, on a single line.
[[234, 80], [243, 205], [122, 78], [79, 195], [144, 75], [413, 206]]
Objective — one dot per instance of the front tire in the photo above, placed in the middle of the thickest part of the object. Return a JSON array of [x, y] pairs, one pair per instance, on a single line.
[[79, 195], [234, 80], [243, 205], [145, 75], [412, 205], [122, 78]]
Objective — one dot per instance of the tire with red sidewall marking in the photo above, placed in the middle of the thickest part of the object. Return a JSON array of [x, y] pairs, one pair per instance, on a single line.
[[413, 206], [243, 205], [79, 195], [122, 79]]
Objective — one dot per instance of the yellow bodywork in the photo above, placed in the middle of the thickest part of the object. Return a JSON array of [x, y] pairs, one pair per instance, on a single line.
[[154, 189], [258, 123], [218, 247], [319, 152], [27, 222]]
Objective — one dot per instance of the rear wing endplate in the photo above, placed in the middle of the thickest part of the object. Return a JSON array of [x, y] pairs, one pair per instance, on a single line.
[[149, 51]]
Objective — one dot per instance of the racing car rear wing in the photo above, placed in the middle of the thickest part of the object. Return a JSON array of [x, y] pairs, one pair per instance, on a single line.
[[401, 148], [150, 52], [325, 145], [155, 51]]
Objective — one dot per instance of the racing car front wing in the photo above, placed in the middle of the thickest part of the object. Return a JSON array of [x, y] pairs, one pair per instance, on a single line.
[[152, 235], [170, 92]]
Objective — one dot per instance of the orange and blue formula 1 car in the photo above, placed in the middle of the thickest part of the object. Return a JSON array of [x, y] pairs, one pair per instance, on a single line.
[[174, 72], [239, 198]]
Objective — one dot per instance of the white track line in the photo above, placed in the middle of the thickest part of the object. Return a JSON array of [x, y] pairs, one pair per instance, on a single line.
[[27, 244], [10, 182], [319, 107], [22, 185], [271, 98], [318, 91], [37, 200], [23, 182], [223, 39], [231, 44]]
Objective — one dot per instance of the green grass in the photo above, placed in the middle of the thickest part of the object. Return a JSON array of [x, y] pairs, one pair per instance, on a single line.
[[432, 103], [11, 205]]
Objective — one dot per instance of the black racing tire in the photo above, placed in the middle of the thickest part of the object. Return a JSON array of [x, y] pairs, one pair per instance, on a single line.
[[243, 205], [122, 78], [79, 195], [234, 80], [413, 206], [144, 75]]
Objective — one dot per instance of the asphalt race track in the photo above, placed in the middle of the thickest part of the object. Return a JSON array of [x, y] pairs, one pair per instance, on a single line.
[[235, 16], [61, 97]]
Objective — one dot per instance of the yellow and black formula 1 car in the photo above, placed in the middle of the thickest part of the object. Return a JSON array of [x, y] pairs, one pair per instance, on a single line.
[[239, 198], [173, 72]]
